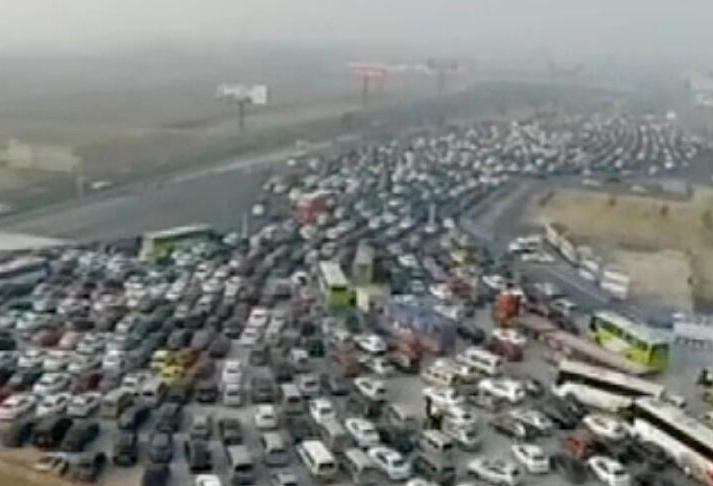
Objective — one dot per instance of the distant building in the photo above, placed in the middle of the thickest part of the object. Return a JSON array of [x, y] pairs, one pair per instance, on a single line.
[[54, 158]]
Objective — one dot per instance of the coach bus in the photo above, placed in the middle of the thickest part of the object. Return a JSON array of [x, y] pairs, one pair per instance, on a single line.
[[688, 441], [606, 389], [335, 287], [158, 244], [635, 341], [24, 271]]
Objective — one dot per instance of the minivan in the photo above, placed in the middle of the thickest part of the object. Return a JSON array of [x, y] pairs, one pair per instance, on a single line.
[[333, 434], [467, 437], [291, 399], [483, 360], [115, 402], [440, 376], [396, 415], [232, 395], [241, 463], [360, 468], [434, 470], [274, 449], [318, 460], [436, 444]]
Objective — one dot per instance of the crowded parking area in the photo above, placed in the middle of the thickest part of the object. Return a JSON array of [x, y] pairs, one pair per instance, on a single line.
[[350, 331]]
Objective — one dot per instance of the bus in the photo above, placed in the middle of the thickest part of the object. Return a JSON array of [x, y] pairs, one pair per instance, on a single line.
[[23, 271], [606, 389], [635, 341], [688, 441], [335, 286], [158, 244]]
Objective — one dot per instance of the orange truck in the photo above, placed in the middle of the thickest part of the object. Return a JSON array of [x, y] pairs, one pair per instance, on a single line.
[[506, 308]]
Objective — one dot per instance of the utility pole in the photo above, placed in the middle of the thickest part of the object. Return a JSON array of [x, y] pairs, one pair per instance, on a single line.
[[241, 114], [366, 72], [79, 181]]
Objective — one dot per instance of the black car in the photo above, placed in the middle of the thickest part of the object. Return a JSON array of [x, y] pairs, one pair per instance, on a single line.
[[230, 431], [178, 393], [622, 451], [161, 447], [23, 380], [533, 386], [397, 438], [262, 389], [88, 466], [18, 433], [125, 449], [510, 427], [559, 413], [156, 475], [315, 347], [650, 453], [574, 470], [258, 356], [198, 455], [335, 384], [471, 333], [206, 391], [300, 428], [220, 347], [649, 478], [50, 432], [79, 435], [133, 417], [282, 371], [169, 417]]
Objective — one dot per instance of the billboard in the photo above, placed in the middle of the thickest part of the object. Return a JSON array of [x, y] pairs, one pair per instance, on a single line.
[[256, 94]]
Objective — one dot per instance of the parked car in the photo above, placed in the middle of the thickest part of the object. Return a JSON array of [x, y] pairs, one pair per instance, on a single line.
[[79, 435], [125, 450], [494, 471]]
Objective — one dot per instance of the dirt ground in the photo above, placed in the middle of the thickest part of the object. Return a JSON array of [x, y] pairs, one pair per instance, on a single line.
[[636, 229]]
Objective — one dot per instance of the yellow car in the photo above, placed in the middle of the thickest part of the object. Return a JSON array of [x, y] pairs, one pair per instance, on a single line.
[[173, 374], [159, 359]]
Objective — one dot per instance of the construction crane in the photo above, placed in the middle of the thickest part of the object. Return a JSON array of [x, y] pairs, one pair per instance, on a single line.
[[368, 72]]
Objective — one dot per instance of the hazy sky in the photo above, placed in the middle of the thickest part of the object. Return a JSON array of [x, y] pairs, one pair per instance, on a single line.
[[562, 27]]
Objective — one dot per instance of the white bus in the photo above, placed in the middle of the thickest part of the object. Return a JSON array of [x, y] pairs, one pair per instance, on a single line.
[[335, 286], [26, 270], [688, 441], [603, 388]]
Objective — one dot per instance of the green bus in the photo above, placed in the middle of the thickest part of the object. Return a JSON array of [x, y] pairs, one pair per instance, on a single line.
[[336, 288], [633, 340]]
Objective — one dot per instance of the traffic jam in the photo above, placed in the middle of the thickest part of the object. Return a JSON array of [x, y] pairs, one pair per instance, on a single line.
[[353, 332]]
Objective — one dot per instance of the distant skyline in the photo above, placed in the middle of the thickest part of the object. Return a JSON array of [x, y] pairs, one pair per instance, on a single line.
[[561, 28]]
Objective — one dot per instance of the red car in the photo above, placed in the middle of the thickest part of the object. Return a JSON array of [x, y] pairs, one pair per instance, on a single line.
[[47, 337], [508, 350]]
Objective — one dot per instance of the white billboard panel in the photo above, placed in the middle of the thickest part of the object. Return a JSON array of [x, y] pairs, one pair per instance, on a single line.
[[256, 94]]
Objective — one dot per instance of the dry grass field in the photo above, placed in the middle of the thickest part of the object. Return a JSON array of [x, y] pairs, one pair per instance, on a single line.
[[635, 229]]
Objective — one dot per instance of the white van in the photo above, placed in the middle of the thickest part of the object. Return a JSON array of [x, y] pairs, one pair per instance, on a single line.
[[153, 392], [592, 397], [440, 376], [466, 373], [115, 402], [291, 399], [232, 395], [360, 468], [436, 444], [334, 435], [318, 460], [242, 466], [485, 361]]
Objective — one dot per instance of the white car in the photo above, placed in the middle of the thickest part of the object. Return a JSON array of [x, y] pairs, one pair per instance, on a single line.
[[509, 335], [52, 404], [371, 387], [609, 471], [31, 358], [379, 365], [266, 417], [495, 471], [133, 381], [441, 291], [605, 426], [391, 463], [362, 431], [232, 372], [506, 388], [321, 409], [55, 360], [50, 383], [16, 406], [82, 406], [533, 418], [462, 415], [371, 343], [443, 398], [208, 480], [259, 317], [531, 456], [250, 336]]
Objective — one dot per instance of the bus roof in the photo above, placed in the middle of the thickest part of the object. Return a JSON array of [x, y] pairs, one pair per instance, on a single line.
[[632, 382], [598, 354], [332, 273], [636, 329], [677, 418], [20, 262], [178, 231]]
